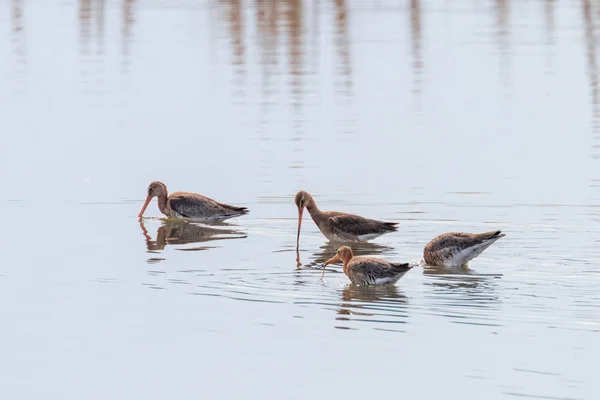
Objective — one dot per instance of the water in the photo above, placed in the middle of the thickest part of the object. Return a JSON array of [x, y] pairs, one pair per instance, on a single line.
[[444, 116]]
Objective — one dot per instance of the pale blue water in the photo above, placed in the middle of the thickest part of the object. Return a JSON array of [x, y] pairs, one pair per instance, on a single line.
[[444, 116]]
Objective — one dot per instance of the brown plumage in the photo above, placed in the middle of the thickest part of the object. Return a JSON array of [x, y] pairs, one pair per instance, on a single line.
[[338, 226], [456, 249], [190, 206], [368, 270]]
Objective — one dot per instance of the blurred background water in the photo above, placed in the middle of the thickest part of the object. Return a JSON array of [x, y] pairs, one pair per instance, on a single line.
[[442, 115]]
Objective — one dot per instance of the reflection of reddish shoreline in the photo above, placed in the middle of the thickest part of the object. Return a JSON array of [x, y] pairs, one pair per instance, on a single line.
[[128, 21], [234, 15], [416, 38], [19, 39], [17, 15], [288, 18], [590, 42], [502, 8], [343, 42]]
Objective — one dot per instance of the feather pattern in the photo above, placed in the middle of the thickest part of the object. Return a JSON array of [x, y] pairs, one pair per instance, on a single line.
[[456, 249], [191, 206], [368, 270], [374, 271], [343, 227], [197, 207], [354, 227]]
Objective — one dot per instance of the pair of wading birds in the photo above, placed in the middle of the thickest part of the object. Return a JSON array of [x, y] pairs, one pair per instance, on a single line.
[[453, 249]]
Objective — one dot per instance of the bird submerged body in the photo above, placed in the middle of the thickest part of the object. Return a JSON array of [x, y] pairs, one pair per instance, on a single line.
[[456, 249]]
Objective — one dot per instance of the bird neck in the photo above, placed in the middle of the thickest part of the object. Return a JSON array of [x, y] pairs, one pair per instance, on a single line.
[[346, 262], [163, 205], [312, 208]]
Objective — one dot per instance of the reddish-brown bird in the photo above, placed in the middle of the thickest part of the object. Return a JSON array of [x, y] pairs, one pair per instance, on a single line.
[[368, 270], [338, 226], [456, 249], [190, 206]]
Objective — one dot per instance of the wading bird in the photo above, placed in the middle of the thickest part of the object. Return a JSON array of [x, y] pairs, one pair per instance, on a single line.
[[367, 270], [338, 226], [456, 249], [190, 206]]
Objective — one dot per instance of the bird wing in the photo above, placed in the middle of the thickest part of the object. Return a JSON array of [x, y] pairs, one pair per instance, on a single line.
[[458, 247], [447, 245], [191, 205], [376, 268], [453, 241], [344, 224]]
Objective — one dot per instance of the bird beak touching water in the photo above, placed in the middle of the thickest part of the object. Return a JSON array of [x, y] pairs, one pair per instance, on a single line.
[[332, 260], [300, 211], [148, 199]]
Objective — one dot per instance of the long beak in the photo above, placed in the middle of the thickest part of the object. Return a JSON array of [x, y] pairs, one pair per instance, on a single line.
[[300, 211], [332, 260], [148, 199]]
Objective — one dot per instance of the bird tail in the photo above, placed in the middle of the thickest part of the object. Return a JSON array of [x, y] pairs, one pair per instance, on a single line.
[[401, 267], [491, 235], [391, 226]]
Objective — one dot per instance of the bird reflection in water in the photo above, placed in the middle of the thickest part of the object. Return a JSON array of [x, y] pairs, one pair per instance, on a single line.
[[329, 249], [387, 303], [463, 272], [177, 232], [463, 290]]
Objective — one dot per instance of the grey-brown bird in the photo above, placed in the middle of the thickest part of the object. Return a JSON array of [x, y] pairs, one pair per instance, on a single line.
[[368, 270], [456, 249], [338, 226], [190, 206]]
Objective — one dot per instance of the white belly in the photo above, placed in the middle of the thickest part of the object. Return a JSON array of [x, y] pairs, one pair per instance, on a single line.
[[362, 238], [465, 255], [367, 237]]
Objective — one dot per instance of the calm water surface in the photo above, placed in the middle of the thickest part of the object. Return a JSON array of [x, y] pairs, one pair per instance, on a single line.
[[442, 115]]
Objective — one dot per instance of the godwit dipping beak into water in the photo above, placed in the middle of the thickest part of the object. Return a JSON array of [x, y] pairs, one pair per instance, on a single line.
[[456, 249], [190, 206], [368, 270], [339, 226]]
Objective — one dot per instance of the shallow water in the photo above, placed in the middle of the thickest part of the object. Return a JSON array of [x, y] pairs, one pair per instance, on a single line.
[[444, 116]]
